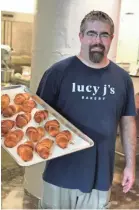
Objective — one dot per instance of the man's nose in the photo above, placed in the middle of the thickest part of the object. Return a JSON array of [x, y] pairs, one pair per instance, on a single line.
[[98, 39]]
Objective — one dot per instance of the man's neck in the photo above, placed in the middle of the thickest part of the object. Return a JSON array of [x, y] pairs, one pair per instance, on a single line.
[[87, 62]]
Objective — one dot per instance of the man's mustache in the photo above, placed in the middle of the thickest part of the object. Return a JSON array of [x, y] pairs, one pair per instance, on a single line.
[[97, 45]]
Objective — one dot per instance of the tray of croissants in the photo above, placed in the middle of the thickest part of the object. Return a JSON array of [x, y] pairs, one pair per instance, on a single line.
[[32, 131]]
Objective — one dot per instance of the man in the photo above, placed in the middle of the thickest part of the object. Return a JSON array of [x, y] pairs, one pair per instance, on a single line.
[[137, 116], [95, 95]]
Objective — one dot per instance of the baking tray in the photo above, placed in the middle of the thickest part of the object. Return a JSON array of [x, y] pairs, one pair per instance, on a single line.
[[80, 141]]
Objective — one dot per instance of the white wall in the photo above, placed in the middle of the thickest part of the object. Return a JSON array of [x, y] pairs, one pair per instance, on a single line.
[[26, 6], [128, 42]]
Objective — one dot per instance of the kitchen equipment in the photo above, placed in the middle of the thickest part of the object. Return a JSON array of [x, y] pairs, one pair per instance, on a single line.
[[6, 75]]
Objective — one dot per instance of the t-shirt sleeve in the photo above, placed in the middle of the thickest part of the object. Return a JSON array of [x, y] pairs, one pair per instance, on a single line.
[[49, 86], [129, 106]]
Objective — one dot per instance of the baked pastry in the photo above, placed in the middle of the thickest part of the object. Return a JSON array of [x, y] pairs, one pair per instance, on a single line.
[[6, 126], [22, 119], [11, 110], [41, 131], [52, 127], [35, 134], [40, 116], [13, 137], [25, 151], [5, 101], [63, 138], [43, 148], [28, 105], [21, 97]]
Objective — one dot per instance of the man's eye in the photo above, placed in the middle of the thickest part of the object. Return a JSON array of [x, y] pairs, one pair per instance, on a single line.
[[91, 34], [105, 35]]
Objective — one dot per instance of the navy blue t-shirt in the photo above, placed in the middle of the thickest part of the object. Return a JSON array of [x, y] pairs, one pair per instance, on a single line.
[[93, 100]]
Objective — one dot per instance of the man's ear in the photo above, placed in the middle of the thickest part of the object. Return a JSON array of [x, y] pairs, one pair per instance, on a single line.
[[80, 36], [112, 37]]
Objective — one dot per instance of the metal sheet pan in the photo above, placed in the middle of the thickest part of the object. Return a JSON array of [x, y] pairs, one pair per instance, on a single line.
[[79, 140]]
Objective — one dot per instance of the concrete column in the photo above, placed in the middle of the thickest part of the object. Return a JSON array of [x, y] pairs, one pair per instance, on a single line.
[[55, 36], [56, 28]]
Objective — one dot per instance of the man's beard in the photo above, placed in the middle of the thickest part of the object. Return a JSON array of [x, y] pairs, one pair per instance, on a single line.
[[96, 56]]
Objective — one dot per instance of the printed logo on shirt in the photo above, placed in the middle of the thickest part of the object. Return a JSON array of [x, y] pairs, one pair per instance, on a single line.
[[94, 92]]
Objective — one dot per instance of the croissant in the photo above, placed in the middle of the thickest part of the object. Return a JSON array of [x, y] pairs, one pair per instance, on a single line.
[[25, 151], [41, 131], [28, 105], [40, 116], [13, 137], [35, 134], [22, 119], [52, 127], [21, 97], [11, 110], [43, 148], [5, 101], [63, 138], [6, 126]]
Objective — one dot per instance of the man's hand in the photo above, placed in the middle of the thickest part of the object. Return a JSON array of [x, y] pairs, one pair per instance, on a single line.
[[129, 141], [128, 179]]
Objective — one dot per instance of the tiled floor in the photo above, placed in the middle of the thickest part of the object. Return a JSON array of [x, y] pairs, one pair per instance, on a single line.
[[15, 197]]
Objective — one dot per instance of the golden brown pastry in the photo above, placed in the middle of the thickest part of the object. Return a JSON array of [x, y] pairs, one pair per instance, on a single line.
[[25, 151], [43, 148], [13, 137], [63, 138], [28, 105], [41, 131], [35, 134], [6, 126], [5, 101], [21, 97], [52, 127], [22, 119], [40, 116], [19, 133], [11, 110]]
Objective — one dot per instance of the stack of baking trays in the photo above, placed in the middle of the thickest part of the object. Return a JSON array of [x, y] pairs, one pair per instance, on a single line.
[[33, 132]]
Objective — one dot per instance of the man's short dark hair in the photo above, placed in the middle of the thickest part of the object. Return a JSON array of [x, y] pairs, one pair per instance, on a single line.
[[97, 15]]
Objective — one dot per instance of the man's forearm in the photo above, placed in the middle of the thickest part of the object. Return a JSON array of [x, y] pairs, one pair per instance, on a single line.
[[129, 139]]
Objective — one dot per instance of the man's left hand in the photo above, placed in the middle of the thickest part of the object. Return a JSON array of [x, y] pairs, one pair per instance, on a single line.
[[128, 179]]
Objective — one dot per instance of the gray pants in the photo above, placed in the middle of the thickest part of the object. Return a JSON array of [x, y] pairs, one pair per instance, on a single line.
[[60, 198]]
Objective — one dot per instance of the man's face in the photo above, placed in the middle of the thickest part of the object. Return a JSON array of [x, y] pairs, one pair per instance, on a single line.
[[96, 41]]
